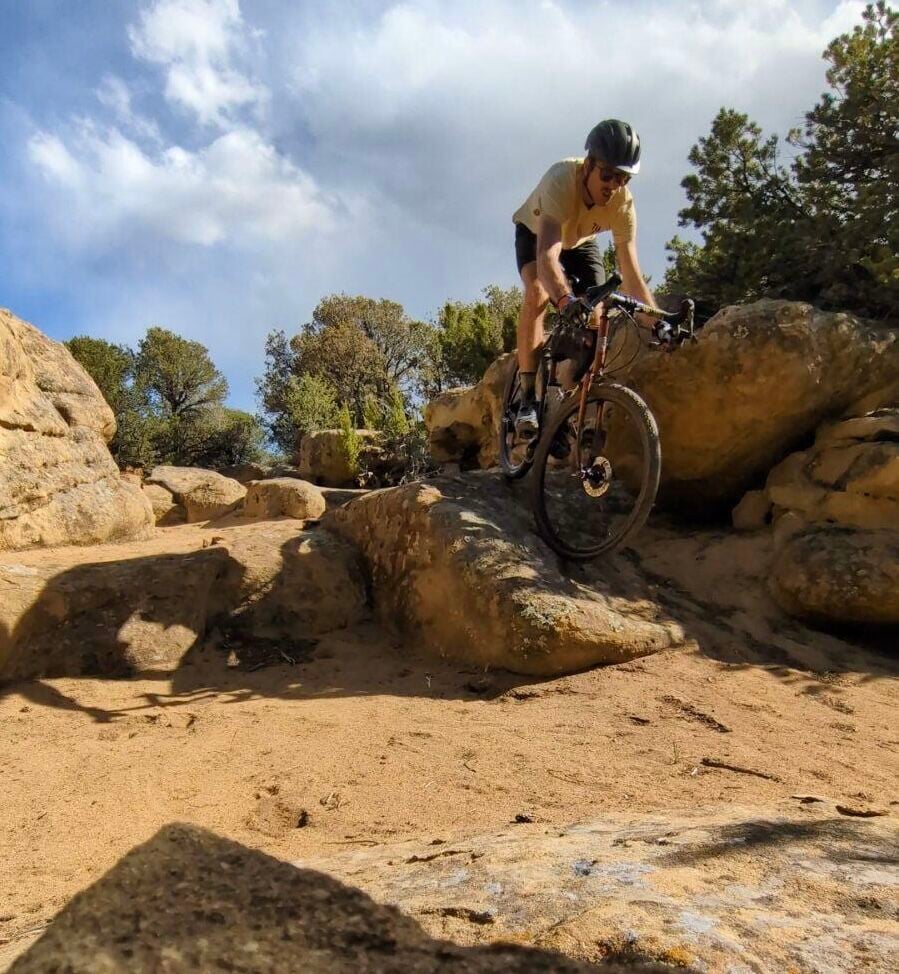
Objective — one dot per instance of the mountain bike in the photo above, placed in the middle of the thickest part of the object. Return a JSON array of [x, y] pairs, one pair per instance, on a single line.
[[596, 459]]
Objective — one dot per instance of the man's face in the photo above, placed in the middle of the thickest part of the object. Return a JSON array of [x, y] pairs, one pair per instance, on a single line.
[[605, 180]]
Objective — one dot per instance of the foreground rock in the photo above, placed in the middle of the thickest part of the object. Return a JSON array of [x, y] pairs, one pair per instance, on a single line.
[[123, 609], [58, 482], [457, 567], [189, 902], [283, 496], [801, 888], [204, 494]]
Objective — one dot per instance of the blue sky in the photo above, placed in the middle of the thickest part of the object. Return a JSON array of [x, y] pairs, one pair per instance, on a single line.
[[218, 166]]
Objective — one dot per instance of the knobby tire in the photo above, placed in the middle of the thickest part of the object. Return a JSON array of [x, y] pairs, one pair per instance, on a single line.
[[630, 413]]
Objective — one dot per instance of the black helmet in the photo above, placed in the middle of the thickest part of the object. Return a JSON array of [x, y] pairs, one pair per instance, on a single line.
[[616, 144]]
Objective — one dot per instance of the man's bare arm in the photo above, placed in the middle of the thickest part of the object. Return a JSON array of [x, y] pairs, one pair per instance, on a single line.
[[549, 266], [632, 277]]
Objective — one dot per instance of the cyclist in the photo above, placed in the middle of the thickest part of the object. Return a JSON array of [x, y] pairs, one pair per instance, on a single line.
[[558, 258]]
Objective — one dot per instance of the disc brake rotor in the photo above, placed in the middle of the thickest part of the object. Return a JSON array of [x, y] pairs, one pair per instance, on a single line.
[[597, 477]]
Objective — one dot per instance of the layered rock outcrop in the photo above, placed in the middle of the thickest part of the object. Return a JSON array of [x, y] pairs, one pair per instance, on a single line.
[[835, 513], [58, 482], [760, 379]]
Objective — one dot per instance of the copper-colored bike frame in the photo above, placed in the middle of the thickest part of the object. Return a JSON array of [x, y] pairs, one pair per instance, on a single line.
[[597, 368]]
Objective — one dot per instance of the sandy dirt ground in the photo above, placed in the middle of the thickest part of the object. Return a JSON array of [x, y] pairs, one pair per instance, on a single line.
[[368, 741]]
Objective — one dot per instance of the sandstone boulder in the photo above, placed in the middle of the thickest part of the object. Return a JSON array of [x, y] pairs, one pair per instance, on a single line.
[[753, 511], [243, 473], [760, 379], [142, 609], [463, 424], [839, 574], [456, 565], [139, 607], [323, 458], [204, 494], [190, 902], [58, 482], [166, 509], [283, 496], [282, 582], [849, 476]]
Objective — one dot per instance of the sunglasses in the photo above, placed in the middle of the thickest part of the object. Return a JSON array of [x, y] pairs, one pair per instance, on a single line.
[[609, 175]]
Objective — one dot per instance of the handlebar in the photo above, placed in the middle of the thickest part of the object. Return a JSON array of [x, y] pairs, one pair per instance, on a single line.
[[672, 327]]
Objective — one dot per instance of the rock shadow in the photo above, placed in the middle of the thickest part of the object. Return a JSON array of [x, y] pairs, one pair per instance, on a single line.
[[111, 619], [844, 840], [191, 901]]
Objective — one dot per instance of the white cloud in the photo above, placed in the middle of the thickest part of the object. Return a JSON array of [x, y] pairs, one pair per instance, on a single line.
[[197, 42], [236, 190], [385, 152], [125, 182], [114, 94], [465, 105]]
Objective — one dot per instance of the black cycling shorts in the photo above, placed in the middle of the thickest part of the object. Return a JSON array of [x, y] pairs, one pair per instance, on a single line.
[[582, 264]]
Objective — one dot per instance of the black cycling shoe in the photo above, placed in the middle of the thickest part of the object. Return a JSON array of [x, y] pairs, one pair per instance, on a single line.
[[527, 424]]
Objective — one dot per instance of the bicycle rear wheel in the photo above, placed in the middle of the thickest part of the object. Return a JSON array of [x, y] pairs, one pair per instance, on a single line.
[[596, 498]]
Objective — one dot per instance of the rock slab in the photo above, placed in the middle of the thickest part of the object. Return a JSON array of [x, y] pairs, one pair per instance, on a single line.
[[189, 902], [793, 888]]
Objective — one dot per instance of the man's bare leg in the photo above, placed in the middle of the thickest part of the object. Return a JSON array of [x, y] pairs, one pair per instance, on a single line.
[[530, 338], [530, 318]]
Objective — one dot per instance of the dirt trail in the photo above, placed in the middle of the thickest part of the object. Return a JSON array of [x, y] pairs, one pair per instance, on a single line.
[[366, 743]]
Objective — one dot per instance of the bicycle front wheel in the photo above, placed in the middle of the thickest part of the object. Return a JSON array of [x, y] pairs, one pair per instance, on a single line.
[[595, 482]]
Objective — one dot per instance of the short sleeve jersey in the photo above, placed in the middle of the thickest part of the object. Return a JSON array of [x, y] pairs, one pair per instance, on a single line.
[[558, 194]]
